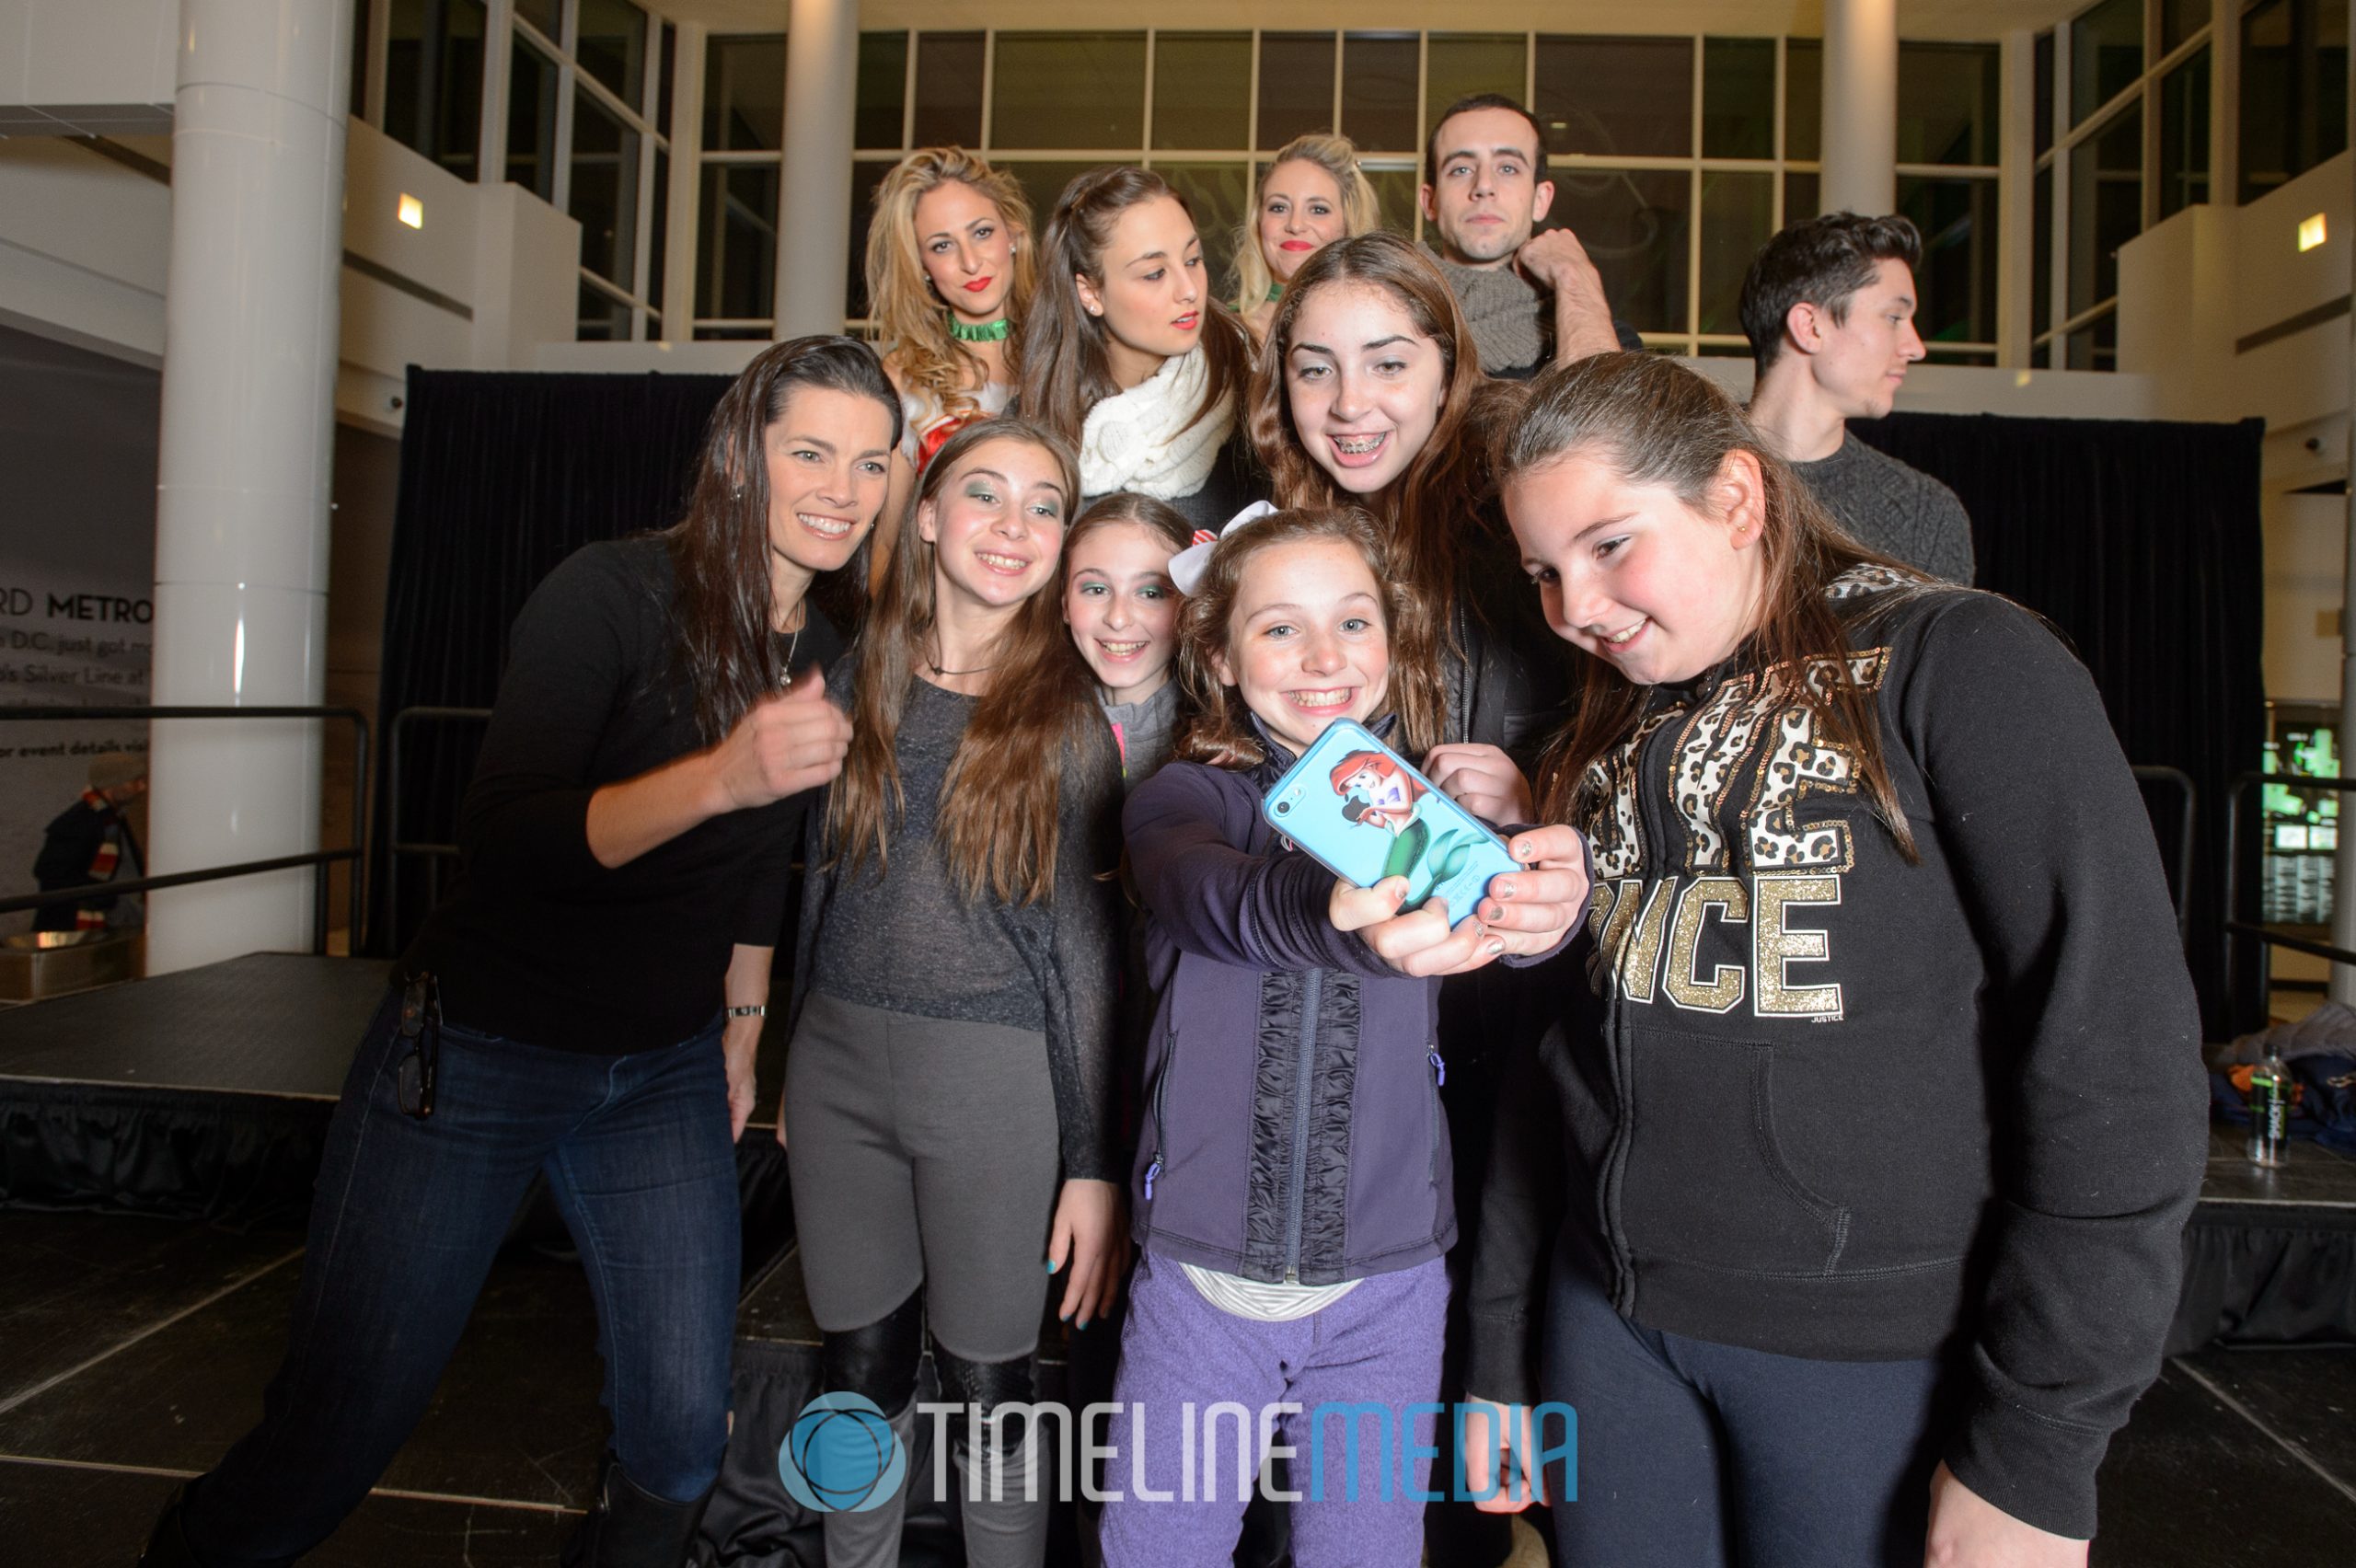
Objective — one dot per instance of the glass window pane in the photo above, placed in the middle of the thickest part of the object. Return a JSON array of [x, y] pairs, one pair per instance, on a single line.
[[2294, 90], [1379, 91], [359, 105], [1634, 223], [949, 89], [1201, 89], [1296, 86], [2184, 134], [2106, 56], [604, 318], [1623, 96], [2105, 207], [1068, 89], [611, 46], [2180, 20], [2042, 92], [882, 89], [1955, 288], [1394, 189], [1738, 219], [743, 94], [1043, 180], [658, 226], [864, 179], [1799, 196], [531, 120], [732, 333], [1946, 102], [541, 13], [737, 243], [2041, 260], [1460, 64], [665, 70], [433, 80], [1219, 195], [2095, 346], [1803, 100], [1737, 99], [605, 191]]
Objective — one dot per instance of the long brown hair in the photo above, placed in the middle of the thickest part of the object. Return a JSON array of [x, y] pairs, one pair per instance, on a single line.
[[1037, 730], [911, 321], [720, 550], [1066, 370], [1223, 733], [1159, 517], [1656, 422], [1428, 511]]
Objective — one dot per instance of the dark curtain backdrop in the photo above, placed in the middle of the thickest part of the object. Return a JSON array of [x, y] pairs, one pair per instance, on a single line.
[[2139, 541], [502, 475]]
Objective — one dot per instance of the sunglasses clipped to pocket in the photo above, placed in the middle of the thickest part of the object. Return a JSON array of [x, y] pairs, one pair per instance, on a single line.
[[420, 1026]]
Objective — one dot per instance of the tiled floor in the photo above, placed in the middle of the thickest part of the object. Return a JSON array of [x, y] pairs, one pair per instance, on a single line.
[[133, 1350]]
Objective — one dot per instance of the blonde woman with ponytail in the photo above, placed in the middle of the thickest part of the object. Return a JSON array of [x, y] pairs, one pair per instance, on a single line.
[[949, 273], [1312, 194]]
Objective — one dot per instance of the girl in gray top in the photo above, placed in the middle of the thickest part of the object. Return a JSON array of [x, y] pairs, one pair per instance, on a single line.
[[949, 1111]]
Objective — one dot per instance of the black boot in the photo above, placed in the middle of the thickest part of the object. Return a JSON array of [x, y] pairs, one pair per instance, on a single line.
[[166, 1547], [629, 1526]]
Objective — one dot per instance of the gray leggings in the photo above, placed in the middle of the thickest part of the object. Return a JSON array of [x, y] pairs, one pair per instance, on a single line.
[[923, 1152]]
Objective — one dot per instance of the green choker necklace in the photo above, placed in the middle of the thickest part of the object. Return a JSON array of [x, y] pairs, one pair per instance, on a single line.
[[1276, 293], [996, 331]]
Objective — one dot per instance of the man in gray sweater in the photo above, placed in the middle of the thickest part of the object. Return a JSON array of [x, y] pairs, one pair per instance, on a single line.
[[1829, 306]]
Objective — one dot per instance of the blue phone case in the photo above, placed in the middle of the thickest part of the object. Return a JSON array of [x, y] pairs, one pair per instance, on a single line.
[[1359, 807]]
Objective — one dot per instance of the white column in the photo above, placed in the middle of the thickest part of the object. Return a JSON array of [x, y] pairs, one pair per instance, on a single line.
[[250, 318], [680, 239], [814, 200], [2017, 199], [1860, 106]]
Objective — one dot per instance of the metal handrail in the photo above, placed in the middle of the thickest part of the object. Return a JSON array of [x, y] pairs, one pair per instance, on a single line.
[[2183, 782], [2234, 926], [395, 843], [320, 858]]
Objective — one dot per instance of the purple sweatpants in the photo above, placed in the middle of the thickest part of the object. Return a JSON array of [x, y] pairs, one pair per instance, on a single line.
[[1379, 1346]]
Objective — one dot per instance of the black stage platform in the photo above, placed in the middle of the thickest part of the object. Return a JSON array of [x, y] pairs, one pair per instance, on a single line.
[[203, 1098]]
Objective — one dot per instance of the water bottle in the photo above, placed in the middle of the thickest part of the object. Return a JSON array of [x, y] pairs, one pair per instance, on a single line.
[[2269, 1110]]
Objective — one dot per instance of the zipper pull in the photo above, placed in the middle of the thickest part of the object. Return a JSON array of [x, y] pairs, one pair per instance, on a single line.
[[1150, 1172], [1439, 1070]]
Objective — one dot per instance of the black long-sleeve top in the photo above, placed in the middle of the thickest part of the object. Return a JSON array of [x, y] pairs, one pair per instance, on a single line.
[[1812, 1100], [538, 942]]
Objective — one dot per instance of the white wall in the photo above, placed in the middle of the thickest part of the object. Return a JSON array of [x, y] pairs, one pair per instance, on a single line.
[[87, 67], [82, 248]]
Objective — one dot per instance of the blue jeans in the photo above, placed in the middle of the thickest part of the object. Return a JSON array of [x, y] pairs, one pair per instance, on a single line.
[[405, 1221]]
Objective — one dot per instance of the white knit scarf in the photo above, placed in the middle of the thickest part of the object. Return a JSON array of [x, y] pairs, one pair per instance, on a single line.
[[1139, 440]]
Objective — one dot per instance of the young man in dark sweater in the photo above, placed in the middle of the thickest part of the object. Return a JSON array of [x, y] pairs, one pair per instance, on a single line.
[[1531, 299], [1828, 308]]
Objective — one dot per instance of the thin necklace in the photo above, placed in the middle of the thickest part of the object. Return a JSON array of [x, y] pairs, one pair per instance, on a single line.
[[934, 666], [996, 331]]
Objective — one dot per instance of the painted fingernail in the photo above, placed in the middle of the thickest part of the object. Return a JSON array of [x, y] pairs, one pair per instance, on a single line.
[[1503, 889], [1052, 1265], [1497, 946]]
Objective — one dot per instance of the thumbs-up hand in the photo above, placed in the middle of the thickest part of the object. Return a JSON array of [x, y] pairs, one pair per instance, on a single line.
[[784, 744]]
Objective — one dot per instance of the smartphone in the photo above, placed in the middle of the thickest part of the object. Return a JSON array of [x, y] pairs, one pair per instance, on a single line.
[[1359, 807]]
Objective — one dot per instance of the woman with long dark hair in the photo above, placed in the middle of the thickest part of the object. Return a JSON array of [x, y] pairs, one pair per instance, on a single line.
[[949, 1097], [586, 1001], [1127, 355]]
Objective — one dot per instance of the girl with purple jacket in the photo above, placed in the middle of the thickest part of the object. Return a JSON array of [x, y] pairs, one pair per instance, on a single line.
[[1293, 1195]]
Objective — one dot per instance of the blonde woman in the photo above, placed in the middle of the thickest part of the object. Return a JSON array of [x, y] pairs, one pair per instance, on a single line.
[[1312, 194], [949, 272]]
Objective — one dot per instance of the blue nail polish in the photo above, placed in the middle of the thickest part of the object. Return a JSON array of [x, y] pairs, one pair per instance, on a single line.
[[1052, 1266]]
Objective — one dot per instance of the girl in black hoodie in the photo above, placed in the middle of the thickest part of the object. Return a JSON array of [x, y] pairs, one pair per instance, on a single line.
[[1881, 1101]]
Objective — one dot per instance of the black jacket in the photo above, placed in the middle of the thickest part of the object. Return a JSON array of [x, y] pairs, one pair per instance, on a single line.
[[1818, 1101]]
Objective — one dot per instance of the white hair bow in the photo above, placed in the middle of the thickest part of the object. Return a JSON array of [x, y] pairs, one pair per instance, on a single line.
[[1187, 568]]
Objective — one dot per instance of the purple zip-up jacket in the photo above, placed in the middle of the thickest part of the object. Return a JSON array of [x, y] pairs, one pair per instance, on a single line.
[[1293, 1130]]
